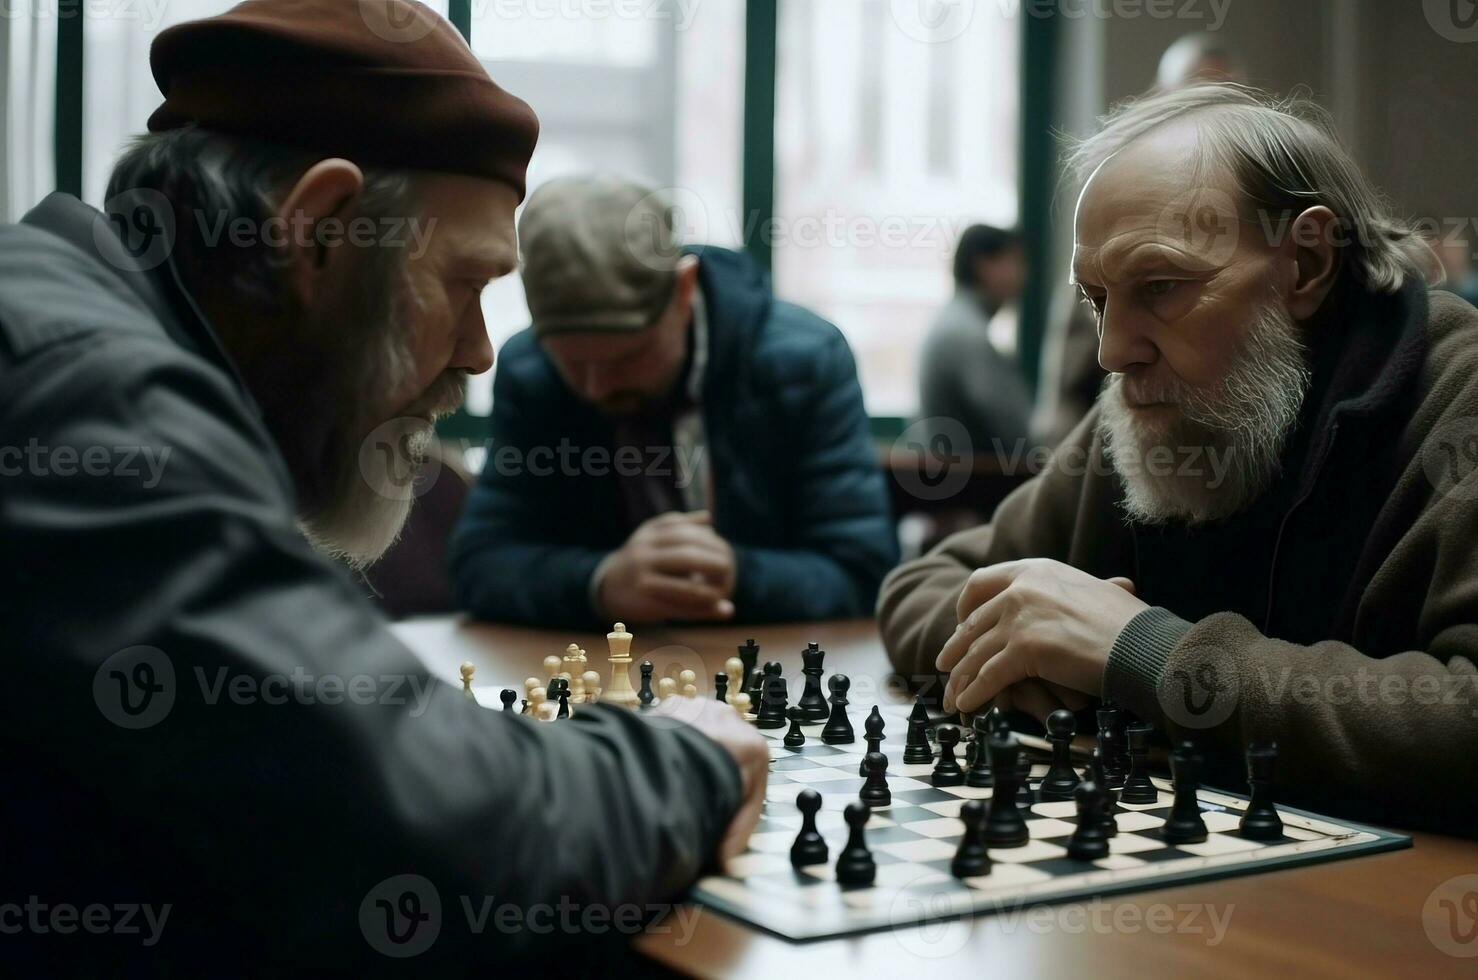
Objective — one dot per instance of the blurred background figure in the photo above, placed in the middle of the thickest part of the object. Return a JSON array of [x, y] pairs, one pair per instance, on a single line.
[[1455, 252], [1195, 58], [969, 372]]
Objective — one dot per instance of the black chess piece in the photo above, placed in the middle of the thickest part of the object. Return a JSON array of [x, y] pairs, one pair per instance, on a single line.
[[523, 706], [1106, 812], [980, 773], [809, 847], [1184, 825], [564, 699], [1260, 821], [508, 695], [645, 697], [947, 771], [838, 730], [1025, 795], [1137, 785], [811, 700], [721, 687], [1088, 841], [972, 860], [772, 703], [755, 686], [748, 654], [1004, 824], [795, 738], [872, 733], [855, 865], [1110, 721], [916, 750], [1061, 779], [875, 792]]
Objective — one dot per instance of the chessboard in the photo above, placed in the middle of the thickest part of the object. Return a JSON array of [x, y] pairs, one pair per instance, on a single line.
[[913, 840]]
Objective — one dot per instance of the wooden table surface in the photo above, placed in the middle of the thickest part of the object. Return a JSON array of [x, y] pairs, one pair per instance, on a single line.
[[1382, 915]]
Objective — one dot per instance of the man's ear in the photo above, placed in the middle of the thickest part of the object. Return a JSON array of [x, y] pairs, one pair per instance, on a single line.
[[325, 190], [1315, 260]]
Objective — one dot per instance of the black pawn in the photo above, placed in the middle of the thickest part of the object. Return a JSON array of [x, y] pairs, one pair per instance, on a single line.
[[855, 865], [1061, 779], [523, 706], [811, 699], [564, 699], [1261, 820], [1184, 825], [838, 730], [1004, 825], [1137, 785], [721, 687], [916, 750], [755, 686], [972, 859], [748, 654], [645, 695], [795, 738], [1110, 721], [875, 792], [508, 696], [772, 704], [1025, 795], [809, 847], [947, 771], [1088, 841], [980, 774], [872, 732], [1106, 812]]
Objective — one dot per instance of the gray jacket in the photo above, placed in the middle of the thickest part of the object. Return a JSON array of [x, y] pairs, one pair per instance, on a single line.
[[205, 713]]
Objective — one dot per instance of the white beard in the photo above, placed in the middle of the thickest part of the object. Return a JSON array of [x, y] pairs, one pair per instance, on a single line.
[[1245, 420]]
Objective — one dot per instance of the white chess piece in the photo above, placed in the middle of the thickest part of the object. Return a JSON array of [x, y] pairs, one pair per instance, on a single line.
[[734, 667], [687, 682], [666, 688], [740, 703], [618, 689], [591, 683]]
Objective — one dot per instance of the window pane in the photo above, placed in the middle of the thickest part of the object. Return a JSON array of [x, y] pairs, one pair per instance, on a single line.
[[623, 34], [895, 128]]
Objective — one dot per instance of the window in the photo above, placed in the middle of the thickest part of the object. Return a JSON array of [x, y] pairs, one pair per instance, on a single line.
[[895, 128]]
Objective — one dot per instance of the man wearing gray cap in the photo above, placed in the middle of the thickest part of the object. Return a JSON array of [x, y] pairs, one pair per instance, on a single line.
[[669, 441]]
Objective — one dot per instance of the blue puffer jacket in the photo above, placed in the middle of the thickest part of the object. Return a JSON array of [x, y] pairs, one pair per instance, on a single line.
[[797, 488]]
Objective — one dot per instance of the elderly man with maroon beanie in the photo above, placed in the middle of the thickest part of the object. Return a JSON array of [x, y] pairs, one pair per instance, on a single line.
[[210, 394]]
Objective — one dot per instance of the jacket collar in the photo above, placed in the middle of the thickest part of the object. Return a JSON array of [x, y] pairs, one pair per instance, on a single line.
[[157, 284]]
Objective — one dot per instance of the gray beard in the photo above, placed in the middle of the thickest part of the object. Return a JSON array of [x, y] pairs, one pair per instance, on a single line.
[[1243, 424]]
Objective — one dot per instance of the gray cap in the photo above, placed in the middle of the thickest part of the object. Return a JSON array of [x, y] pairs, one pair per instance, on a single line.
[[598, 254]]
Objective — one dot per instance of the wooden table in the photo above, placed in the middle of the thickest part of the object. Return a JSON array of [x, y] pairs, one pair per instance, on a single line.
[[1367, 916]]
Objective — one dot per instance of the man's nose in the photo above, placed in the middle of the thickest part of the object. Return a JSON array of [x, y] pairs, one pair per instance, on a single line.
[[1123, 341]]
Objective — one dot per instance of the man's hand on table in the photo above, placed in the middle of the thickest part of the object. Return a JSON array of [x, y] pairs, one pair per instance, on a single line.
[[674, 566], [745, 746], [1034, 635]]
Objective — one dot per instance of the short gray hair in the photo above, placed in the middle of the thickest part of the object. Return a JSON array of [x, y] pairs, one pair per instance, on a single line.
[[1285, 157]]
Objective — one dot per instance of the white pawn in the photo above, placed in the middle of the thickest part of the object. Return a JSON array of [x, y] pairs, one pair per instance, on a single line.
[[590, 681], [529, 683], [666, 688], [687, 681], [740, 703], [734, 667], [548, 711], [538, 697], [552, 666]]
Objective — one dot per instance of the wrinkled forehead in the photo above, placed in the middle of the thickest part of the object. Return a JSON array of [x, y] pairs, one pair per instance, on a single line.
[[1153, 200]]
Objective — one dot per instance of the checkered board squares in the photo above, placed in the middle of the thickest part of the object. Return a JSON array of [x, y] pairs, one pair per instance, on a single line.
[[914, 839]]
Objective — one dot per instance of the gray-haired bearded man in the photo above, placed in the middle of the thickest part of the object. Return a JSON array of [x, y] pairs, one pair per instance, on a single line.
[[1267, 529]]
